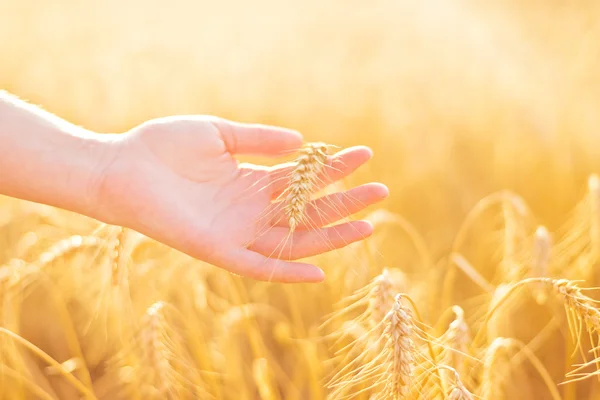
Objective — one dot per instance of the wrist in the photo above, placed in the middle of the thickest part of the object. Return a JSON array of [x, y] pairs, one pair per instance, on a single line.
[[101, 153], [48, 160], [74, 170]]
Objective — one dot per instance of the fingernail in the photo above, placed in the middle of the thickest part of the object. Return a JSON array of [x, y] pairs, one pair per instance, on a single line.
[[319, 275]]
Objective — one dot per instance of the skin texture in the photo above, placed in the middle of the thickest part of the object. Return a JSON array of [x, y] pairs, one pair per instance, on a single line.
[[177, 180]]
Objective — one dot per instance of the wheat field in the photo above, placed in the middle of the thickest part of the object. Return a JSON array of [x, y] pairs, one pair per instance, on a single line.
[[478, 283]]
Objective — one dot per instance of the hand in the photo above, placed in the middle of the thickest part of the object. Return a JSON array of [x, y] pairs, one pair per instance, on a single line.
[[177, 181]]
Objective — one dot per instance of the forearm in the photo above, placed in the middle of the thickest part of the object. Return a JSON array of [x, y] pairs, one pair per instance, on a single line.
[[48, 160]]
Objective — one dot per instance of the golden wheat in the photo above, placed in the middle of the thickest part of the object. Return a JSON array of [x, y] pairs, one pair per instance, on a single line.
[[303, 181], [457, 390], [496, 370], [400, 343], [456, 341], [483, 121], [542, 245]]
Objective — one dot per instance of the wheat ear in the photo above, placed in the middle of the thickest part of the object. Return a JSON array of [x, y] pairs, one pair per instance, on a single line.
[[153, 337], [580, 309], [64, 247], [388, 372], [303, 182], [399, 331], [119, 269], [381, 298], [374, 301], [457, 391], [458, 339], [494, 371], [460, 393]]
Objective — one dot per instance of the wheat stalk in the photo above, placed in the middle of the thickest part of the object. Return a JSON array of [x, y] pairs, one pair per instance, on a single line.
[[263, 379], [457, 339], [366, 329], [542, 244], [399, 331], [150, 359], [389, 372], [511, 242], [153, 340], [494, 371], [579, 308], [381, 298], [303, 181], [373, 302], [119, 270], [594, 199], [64, 247], [457, 391]]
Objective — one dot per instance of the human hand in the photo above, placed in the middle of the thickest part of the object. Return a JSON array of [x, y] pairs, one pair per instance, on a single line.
[[177, 181]]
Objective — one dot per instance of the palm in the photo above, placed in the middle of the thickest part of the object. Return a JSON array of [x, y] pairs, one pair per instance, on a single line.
[[227, 214]]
